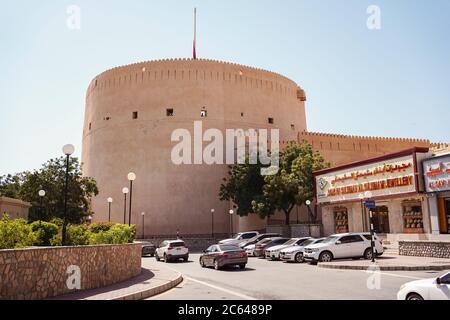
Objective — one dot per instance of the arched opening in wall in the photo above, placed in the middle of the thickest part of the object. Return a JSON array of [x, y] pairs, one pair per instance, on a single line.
[[135, 115], [169, 112], [271, 120]]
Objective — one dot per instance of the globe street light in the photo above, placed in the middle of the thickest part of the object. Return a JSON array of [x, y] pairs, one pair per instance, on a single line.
[[131, 177], [231, 212], [125, 192], [143, 225], [41, 196], [110, 201], [68, 150], [212, 222]]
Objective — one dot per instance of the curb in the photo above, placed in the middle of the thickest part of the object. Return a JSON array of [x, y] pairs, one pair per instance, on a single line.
[[147, 293], [386, 268]]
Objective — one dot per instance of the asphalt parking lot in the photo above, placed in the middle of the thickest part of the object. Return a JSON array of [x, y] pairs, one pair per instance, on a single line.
[[276, 280]]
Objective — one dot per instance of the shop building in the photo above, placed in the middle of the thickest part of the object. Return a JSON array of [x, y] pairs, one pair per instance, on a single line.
[[437, 186], [396, 184]]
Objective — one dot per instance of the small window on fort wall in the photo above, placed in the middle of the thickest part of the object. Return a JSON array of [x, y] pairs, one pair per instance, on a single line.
[[203, 114], [292, 126], [135, 115], [242, 114], [271, 121], [90, 126], [169, 112]]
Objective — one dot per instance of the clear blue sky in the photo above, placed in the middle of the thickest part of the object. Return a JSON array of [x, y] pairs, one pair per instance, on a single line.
[[391, 82]]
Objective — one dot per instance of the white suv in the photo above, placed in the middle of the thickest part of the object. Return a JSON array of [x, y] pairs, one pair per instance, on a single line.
[[171, 250], [347, 245], [242, 236]]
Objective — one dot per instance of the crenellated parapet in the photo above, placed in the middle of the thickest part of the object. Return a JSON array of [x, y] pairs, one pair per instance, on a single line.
[[194, 70], [341, 149]]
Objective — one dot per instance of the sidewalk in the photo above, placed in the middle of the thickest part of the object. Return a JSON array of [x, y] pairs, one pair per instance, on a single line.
[[149, 283], [391, 262]]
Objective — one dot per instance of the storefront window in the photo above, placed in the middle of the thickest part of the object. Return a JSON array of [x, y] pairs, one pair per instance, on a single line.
[[381, 219], [412, 217], [341, 220]]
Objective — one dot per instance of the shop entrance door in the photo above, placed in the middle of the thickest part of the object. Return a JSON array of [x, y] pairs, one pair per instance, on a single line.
[[381, 220]]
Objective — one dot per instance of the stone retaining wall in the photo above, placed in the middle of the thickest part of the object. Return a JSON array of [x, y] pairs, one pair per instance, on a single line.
[[40, 273], [432, 249]]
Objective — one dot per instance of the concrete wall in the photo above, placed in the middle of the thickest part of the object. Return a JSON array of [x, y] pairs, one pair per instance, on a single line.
[[433, 249], [39, 273], [16, 209]]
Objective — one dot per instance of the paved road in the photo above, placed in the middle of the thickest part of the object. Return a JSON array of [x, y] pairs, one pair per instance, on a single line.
[[275, 280]]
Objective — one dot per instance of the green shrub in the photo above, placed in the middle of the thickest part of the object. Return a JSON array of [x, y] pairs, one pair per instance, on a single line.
[[117, 234], [77, 235], [15, 233], [100, 226], [45, 232]]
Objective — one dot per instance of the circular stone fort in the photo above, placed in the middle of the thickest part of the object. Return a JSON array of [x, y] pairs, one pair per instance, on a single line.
[[131, 113]]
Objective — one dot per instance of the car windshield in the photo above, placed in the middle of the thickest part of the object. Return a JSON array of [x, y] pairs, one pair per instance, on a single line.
[[291, 242], [229, 248], [237, 236], [330, 239], [264, 241], [308, 242]]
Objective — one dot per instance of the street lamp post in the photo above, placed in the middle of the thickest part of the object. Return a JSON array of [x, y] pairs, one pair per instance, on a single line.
[[212, 223], [231, 212], [143, 225], [131, 177], [125, 192], [68, 150], [110, 201], [308, 204], [41, 196], [368, 196]]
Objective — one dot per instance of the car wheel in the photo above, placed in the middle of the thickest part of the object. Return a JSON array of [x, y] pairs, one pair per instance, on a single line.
[[202, 264], [186, 259], [166, 260], [152, 255], [299, 257], [414, 296], [368, 254], [242, 266], [216, 265], [326, 257], [157, 257]]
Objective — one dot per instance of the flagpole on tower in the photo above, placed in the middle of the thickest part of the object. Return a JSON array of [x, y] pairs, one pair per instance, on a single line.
[[195, 34]]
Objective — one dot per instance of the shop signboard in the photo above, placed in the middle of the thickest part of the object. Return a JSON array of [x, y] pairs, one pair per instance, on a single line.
[[390, 177], [437, 174]]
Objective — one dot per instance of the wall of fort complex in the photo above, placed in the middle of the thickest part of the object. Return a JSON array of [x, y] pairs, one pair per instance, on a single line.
[[131, 113]]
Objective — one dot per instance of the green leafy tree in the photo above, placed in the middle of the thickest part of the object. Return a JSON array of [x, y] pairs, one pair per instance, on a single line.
[[51, 178], [244, 184], [293, 184]]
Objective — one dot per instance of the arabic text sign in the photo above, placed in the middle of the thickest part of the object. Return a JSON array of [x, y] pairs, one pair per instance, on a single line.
[[385, 178], [437, 174]]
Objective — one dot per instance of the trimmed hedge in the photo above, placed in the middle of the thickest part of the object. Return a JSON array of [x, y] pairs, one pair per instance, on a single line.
[[19, 234]]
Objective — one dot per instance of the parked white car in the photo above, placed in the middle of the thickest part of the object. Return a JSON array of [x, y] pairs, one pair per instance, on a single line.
[[250, 250], [242, 236], [347, 245], [273, 253], [295, 254], [427, 289], [171, 250]]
